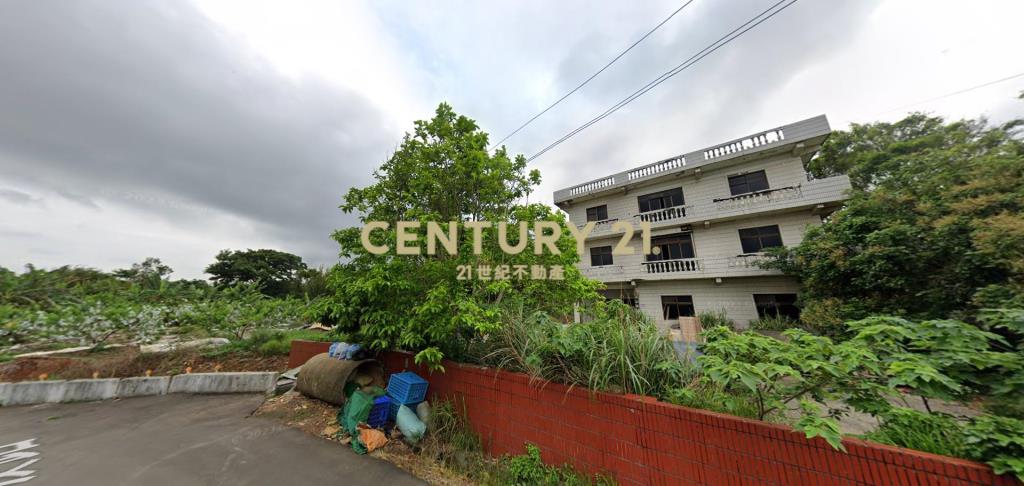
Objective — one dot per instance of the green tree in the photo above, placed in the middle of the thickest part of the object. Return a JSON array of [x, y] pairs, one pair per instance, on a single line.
[[149, 273], [933, 227], [443, 173], [276, 273]]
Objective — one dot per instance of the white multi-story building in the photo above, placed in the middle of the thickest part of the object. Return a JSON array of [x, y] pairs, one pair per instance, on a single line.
[[712, 213]]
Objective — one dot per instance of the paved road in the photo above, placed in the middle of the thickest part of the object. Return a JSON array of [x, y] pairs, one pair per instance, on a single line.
[[172, 440]]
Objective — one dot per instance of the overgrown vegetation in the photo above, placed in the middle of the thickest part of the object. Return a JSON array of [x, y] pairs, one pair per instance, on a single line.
[[619, 349], [934, 227], [886, 357], [66, 306]]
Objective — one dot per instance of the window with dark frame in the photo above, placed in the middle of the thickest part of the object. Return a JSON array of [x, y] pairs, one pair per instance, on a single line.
[[673, 247], [600, 256], [774, 305], [597, 213], [747, 183], [660, 200], [754, 240], [676, 306]]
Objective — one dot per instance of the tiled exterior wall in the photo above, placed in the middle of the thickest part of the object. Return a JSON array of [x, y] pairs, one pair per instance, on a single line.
[[735, 295], [639, 441]]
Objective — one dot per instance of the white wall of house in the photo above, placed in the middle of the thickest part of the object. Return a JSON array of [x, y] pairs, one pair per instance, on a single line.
[[713, 244], [735, 295], [781, 171]]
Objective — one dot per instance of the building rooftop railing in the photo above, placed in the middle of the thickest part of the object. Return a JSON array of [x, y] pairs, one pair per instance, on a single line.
[[768, 139]]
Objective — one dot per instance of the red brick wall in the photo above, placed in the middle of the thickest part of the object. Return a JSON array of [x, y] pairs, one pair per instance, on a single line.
[[641, 441]]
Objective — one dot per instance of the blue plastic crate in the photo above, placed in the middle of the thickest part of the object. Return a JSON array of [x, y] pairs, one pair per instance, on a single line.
[[407, 388], [380, 412]]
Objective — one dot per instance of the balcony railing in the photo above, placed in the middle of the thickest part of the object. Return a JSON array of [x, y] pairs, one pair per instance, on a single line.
[[593, 185], [812, 129], [753, 141], [656, 168], [755, 199], [680, 265], [662, 214]]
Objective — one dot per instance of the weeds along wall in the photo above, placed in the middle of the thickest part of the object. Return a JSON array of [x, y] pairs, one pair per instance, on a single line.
[[637, 440]]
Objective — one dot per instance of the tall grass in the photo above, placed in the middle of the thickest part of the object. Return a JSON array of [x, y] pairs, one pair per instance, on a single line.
[[937, 433], [773, 323], [618, 350]]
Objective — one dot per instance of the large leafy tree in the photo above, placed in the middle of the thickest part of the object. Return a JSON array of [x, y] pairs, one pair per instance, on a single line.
[[934, 226], [444, 173], [149, 273], [276, 273]]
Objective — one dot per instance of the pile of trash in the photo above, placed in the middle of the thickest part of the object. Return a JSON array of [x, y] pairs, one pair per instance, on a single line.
[[371, 412]]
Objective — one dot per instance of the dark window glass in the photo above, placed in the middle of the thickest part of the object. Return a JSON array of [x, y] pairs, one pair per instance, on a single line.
[[749, 182], [660, 200], [672, 247], [600, 255], [627, 296], [598, 213], [676, 306], [773, 305], [754, 240]]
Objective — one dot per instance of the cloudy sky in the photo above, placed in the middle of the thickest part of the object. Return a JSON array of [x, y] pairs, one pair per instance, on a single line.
[[173, 129]]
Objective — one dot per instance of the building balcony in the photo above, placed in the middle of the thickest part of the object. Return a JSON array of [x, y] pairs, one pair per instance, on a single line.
[[673, 266], [817, 193], [681, 269], [758, 199], [662, 215]]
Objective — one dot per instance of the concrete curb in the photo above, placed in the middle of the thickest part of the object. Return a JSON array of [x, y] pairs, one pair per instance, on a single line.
[[250, 382], [60, 391]]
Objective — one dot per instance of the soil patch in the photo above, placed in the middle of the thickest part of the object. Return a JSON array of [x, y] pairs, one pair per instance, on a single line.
[[128, 361]]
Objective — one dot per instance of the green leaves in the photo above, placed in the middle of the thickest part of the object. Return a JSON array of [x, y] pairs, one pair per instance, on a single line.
[[812, 424], [999, 442], [443, 173], [276, 273], [936, 213], [802, 366]]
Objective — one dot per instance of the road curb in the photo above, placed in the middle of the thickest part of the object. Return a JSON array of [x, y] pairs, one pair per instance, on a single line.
[[246, 382], [60, 391]]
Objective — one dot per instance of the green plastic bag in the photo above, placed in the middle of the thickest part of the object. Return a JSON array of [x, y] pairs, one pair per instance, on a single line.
[[357, 410]]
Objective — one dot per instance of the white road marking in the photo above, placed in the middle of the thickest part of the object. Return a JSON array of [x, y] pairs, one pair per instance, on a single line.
[[18, 451]]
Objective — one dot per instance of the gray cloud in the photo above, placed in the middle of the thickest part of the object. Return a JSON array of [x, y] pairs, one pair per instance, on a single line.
[[125, 98], [18, 197], [717, 98]]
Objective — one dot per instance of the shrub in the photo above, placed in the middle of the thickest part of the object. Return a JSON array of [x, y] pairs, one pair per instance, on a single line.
[[275, 348], [997, 441], [773, 323], [711, 319], [937, 433], [825, 318], [777, 373], [529, 470], [708, 395], [619, 350]]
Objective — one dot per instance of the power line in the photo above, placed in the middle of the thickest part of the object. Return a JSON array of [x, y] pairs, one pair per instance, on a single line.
[[960, 92], [714, 46], [592, 76]]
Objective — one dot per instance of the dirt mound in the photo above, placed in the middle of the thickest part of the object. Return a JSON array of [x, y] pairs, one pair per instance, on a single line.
[[128, 361]]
